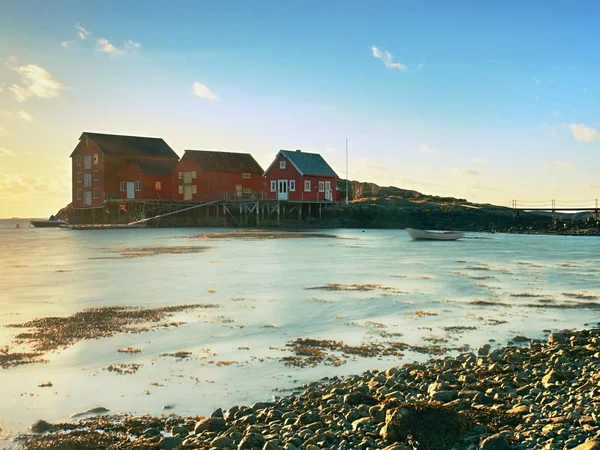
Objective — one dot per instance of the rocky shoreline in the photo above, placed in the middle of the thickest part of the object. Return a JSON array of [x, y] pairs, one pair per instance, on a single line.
[[540, 395]]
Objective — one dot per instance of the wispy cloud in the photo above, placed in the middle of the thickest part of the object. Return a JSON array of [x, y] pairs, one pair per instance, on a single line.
[[35, 82], [67, 44], [424, 148], [562, 165], [6, 152], [466, 172], [4, 112], [583, 133], [25, 115], [420, 66], [82, 33], [104, 46], [200, 90], [388, 59], [536, 80]]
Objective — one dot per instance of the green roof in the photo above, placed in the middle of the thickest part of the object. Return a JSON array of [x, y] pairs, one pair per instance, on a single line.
[[311, 164]]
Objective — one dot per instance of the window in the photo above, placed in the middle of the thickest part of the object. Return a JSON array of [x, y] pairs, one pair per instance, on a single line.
[[193, 174], [87, 179], [321, 186], [78, 194], [247, 191], [158, 186], [181, 188], [307, 186], [138, 186], [245, 176], [87, 162], [96, 175], [95, 193], [194, 189], [282, 164], [273, 185], [79, 159], [96, 158], [180, 175], [292, 185], [79, 177], [123, 186]]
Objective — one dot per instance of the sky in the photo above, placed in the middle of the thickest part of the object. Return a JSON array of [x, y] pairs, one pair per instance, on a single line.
[[490, 101]]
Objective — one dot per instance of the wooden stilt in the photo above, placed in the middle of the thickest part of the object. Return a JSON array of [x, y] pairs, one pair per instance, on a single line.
[[257, 214], [278, 213]]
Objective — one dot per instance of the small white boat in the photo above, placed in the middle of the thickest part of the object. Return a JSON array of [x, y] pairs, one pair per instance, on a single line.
[[434, 235]]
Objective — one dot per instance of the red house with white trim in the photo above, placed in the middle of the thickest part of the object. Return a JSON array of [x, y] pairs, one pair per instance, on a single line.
[[203, 175], [301, 176], [108, 166]]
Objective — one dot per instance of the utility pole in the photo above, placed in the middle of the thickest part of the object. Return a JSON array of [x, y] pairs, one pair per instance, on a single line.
[[346, 171]]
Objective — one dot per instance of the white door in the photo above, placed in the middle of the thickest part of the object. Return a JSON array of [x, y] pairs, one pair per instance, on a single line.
[[328, 192], [187, 192], [282, 189], [87, 200], [130, 189]]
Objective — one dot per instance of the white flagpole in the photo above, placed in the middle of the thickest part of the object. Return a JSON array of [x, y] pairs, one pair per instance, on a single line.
[[346, 171]]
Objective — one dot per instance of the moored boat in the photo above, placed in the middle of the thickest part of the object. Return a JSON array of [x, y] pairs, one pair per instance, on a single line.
[[434, 235], [51, 222]]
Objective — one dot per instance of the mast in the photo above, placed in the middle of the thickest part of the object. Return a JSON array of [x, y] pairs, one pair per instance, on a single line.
[[346, 171]]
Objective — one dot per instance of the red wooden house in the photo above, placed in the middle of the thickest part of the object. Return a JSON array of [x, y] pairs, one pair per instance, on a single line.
[[300, 176], [210, 175], [106, 166]]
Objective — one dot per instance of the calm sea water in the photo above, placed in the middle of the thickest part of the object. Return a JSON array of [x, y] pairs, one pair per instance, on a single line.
[[260, 286]]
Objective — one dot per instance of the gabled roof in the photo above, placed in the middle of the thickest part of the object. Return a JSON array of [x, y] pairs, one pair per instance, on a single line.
[[212, 161], [154, 167], [311, 164], [112, 144]]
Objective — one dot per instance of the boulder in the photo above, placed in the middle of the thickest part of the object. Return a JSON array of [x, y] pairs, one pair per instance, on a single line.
[[494, 442], [212, 424]]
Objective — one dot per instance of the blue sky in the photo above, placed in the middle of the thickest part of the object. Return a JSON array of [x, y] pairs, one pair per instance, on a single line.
[[485, 100]]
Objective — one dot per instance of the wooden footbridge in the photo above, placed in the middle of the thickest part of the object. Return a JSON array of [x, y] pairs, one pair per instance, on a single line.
[[556, 206]]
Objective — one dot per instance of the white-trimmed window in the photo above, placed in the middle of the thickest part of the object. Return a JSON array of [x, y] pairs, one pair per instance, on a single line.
[[96, 175], [138, 186], [193, 174], [157, 186], [292, 185], [247, 191], [246, 175], [273, 185], [321, 186], [79, 177], [96, 158], [78, 194], [282, 164], [87, 162], [181, 175], [307, 186], [87, 180], [79, 160], [95, 193], [180, 188], [123, 186], [194, 189]]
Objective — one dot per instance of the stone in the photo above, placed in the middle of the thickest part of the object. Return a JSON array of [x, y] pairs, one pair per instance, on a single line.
[[221, 442], [212, 424], [312, 447], [444, 396], [218, 413], [41, 426], [356, 399], [251, 440], [179, 430], [494, 442], [589, 445], [169, 443], [484, 350], [519, 409], [271, 446], [397, 447]]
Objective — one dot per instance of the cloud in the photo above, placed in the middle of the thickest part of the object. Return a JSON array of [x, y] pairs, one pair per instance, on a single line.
[[35, 82], [67, 44], [200, 90], [82, 33], [426, 149], [536, 80], [583, 133], [3, 131], [466, 172], [6, 152], [480, 160], [387, 59], [4, 112], [420, 66], [104, 46], [562, 165], [25, 116]]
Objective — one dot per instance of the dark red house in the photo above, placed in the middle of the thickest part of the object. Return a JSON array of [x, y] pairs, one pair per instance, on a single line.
[[300, 176], [107, 166], [209, 175]]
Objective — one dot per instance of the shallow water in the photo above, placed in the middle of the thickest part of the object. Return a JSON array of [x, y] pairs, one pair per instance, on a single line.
[[261, 288]]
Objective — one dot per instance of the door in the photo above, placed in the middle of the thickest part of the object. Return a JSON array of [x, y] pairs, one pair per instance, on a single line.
[[87, 200], [282, 189], [187, 192], [130, 189], [328, 191]]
